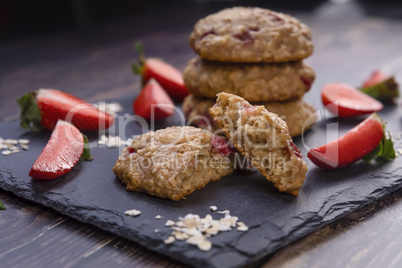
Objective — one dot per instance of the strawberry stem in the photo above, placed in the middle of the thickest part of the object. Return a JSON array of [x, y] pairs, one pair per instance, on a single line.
[[385, 91], [30, 115], [384, 150], [138, 67], [2, 207]]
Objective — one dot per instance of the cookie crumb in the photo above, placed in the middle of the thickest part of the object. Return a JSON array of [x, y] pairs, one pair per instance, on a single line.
[[213, 208], [133, 212]]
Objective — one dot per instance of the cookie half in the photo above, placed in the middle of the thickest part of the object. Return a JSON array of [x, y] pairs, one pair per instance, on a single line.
[[264, 138], [254, 82], [298, 114], [250, 34], [173, 162]]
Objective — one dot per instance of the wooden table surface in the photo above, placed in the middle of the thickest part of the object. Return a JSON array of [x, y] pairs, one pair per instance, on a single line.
[[95, 65]]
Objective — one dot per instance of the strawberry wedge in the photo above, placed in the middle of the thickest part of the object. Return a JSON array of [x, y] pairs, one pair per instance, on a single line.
[[61, 153], [167, 76], [153, 103], [345, 101], [353, 146], [44, 107]]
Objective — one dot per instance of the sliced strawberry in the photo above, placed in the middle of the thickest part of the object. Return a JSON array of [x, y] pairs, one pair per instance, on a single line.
[[44, 107], [375, 78], [153, 101], [61, 153], [381, 86], [167, 76], [354, 145], [345, 101]]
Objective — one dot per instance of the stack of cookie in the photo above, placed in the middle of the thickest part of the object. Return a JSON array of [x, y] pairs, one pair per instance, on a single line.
[[253, 53]]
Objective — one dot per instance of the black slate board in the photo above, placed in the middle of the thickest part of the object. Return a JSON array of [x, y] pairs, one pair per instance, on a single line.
[[92, 194]]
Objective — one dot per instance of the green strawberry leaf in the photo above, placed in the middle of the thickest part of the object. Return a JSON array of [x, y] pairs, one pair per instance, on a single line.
[[138, 67], [30, 115], [386, 90], [86, 154], [384, 150], [388, 151], [2, 207]]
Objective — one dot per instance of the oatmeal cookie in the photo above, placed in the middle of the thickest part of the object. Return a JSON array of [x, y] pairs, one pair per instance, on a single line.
[[264, 138], [298, 114], [174, 162], [254, 82], [250, 34]]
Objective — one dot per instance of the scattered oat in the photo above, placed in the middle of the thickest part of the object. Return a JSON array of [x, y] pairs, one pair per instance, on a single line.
[[133, 212], [156, 230], [10, 141], [111, 108], [226, 212], [24, 146], [111, 141], [10, 146], [241, 227], [196, 231], [213, 208], [7, 152], [23, 141], [180, 235], [158, 217], [169, 223], [205, 245], [169, 240]]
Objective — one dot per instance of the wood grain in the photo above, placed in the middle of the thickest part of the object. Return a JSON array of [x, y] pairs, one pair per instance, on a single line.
[[96, 66]]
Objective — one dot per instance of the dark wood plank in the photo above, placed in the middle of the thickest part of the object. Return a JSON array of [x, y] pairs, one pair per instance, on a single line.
[[35, 236]]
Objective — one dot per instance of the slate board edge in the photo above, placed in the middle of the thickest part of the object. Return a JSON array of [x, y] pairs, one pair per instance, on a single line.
[[181, 258]]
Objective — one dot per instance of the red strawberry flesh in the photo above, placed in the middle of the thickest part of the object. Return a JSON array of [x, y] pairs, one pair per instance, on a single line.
[[61, 153], [295, 149], [54, 105], [221, 145], [375, 78], [351, 147], [345, 101], [167, 76], [153, 101]]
